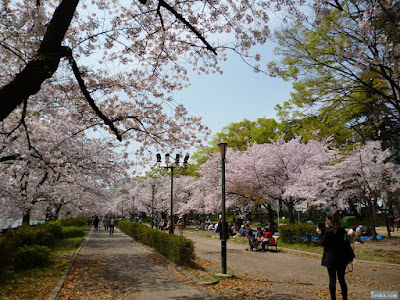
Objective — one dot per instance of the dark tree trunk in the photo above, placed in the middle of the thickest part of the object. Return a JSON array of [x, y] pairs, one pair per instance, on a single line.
[[372, 216], [271, 213], [26, 218], [290, 207]]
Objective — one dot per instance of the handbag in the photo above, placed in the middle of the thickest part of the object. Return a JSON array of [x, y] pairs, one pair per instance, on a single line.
[[349, 254]]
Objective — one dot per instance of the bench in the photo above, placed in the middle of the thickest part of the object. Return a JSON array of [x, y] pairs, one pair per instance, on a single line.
[[276, 237], [255, 245]]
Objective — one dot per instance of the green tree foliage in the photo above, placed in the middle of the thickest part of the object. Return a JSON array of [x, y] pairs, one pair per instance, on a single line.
[[345, 63], [242, 134]]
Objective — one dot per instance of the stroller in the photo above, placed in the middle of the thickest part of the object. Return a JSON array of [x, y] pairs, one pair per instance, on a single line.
[[254, 244]]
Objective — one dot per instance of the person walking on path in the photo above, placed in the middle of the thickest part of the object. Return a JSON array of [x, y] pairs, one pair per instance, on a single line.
[[111, 225], [334, 256], [96, 222], [105, 223], [181, 225]]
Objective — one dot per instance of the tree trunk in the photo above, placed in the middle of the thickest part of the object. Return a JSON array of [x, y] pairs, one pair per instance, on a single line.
[[372, 216], [271, 213], [26, 218], [387, 225], [290, 207]]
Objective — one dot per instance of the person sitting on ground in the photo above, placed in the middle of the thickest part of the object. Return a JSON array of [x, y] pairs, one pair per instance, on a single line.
[[230, 230], [355, 236], [217, 227], [268, 239], [242, 231]]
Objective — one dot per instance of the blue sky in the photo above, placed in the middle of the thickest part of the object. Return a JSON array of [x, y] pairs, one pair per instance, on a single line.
[[237, 94]]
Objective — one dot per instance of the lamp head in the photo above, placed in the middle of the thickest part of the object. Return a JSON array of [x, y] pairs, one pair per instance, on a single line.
[[222, 149], [158, 158]]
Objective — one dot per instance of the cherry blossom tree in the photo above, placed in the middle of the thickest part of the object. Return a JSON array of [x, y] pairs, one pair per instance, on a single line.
[[367, 174], [55, 167], [115, 64]]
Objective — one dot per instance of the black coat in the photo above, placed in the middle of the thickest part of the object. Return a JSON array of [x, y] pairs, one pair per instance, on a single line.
[[334, 248]]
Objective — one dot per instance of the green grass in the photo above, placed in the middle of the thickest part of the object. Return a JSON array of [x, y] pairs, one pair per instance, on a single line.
[[38, 283]]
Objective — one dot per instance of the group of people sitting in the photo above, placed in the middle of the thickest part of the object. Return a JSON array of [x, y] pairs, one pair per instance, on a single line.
[[214, 227], [259, 237]]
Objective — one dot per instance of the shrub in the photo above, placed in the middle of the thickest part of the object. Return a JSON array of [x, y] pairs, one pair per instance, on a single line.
[[29, 235], [27, 257], [176, 248], [80, 221], [298, 233], [55, 228], [71, 231]]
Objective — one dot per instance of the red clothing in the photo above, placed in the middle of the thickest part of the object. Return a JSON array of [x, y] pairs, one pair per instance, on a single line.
[[271, 240]]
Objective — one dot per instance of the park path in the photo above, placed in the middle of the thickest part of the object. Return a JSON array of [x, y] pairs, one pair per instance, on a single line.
[[293, 275], [117, 267]]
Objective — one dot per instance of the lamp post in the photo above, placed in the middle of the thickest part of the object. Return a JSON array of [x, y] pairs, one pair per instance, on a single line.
[[222, 149], [152, 205], [172, 166]]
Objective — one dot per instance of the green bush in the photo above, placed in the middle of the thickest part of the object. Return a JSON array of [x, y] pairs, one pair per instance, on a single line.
[[55, 228], [176, 248], [27, 257], [30, 235], [71, 232], [80, 221], [298, 233]]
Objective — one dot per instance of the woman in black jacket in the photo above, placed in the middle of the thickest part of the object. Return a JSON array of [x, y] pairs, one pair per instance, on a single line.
[[332, 238]]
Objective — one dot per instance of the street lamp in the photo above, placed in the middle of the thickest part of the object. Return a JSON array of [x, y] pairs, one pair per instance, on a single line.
[[222, 149], [152, 205], [172, 166]]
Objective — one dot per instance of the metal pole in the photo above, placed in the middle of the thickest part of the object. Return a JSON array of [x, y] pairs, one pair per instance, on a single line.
[[152, 205], [278, 210], [171, 227], [223, 229]]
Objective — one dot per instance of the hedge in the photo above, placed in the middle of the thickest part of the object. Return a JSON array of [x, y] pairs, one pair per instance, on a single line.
[[27, 257], [298, 233], [71, 232], [176, 248], [19, 243]]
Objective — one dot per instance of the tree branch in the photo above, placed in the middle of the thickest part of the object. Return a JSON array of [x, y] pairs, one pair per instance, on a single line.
[[88, 98], [43, 66], [183, 20]]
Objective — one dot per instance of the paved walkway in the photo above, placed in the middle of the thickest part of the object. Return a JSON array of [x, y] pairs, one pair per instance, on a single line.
[[294, 275], [118, 267]]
